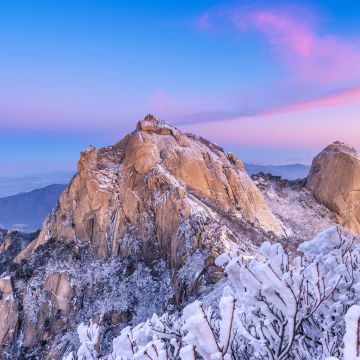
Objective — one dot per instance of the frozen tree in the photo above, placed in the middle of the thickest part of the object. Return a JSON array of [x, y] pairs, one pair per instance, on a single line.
[[158, 338], [209, 337], [198, 333], [337, 255], [126, 346], [282, 307], [170, 329]]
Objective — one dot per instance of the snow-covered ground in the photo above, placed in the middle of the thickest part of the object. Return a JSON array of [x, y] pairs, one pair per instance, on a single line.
[[302, 216]]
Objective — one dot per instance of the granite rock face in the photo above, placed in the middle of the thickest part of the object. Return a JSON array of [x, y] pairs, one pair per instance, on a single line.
[[12, 242], [146, 194], [334, 180], [8, 311]]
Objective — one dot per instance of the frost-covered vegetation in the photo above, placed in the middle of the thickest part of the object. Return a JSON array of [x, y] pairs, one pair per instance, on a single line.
[[274, 308]]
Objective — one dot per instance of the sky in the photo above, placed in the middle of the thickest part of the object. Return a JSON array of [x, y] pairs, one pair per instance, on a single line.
[[273, 81]]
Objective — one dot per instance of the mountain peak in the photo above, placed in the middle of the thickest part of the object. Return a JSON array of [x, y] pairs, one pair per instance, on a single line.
[[161, 182], [341, 147], [151, 124]]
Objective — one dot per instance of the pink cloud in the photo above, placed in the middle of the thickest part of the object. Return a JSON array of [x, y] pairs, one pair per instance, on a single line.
[[294, 36], [283, 31], [286, 130], [341, 97], [187, 111]]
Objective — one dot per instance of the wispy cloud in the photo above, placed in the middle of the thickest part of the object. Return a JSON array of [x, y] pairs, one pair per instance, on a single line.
[[342, 97], [297, 41], [184, 111], [324, 68]]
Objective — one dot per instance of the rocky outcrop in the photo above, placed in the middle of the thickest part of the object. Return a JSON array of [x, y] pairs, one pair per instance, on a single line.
[[145, 195], [8, 313], [60, 291], [54, 310], [12, 242], [334, 180], [64, 283]]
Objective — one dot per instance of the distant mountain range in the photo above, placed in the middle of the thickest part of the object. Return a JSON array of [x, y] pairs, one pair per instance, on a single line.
[[27, 211], [15, 185], [290, 172]]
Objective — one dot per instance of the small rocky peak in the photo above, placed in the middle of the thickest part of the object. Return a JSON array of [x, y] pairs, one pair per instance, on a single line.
[[149, 123], [339, 147], [153, 125], [235, 161], [90, 148]]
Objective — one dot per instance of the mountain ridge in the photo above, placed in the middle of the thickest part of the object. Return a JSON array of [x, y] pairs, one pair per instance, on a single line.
[[289, 172], [14, 185], [27, 211]]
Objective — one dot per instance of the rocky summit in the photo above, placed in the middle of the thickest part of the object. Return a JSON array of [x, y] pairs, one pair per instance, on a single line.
[[334, 180], [157, 194]]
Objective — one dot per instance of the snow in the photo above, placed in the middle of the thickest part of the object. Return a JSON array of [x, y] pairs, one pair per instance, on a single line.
[[223, 259], [302, 217], [200, 334], [193, 267], [351, 338], [323, 243], [106, 179], [187, 353], [122, 345], [89, 337]]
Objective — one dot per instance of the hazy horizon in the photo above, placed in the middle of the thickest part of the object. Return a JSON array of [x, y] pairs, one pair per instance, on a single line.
[[65, 153]]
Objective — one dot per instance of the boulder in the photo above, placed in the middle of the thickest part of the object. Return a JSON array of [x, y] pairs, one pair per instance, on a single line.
[[334, 180]]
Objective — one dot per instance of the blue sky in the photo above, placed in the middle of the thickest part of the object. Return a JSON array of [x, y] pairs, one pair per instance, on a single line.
[[273, 81]]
